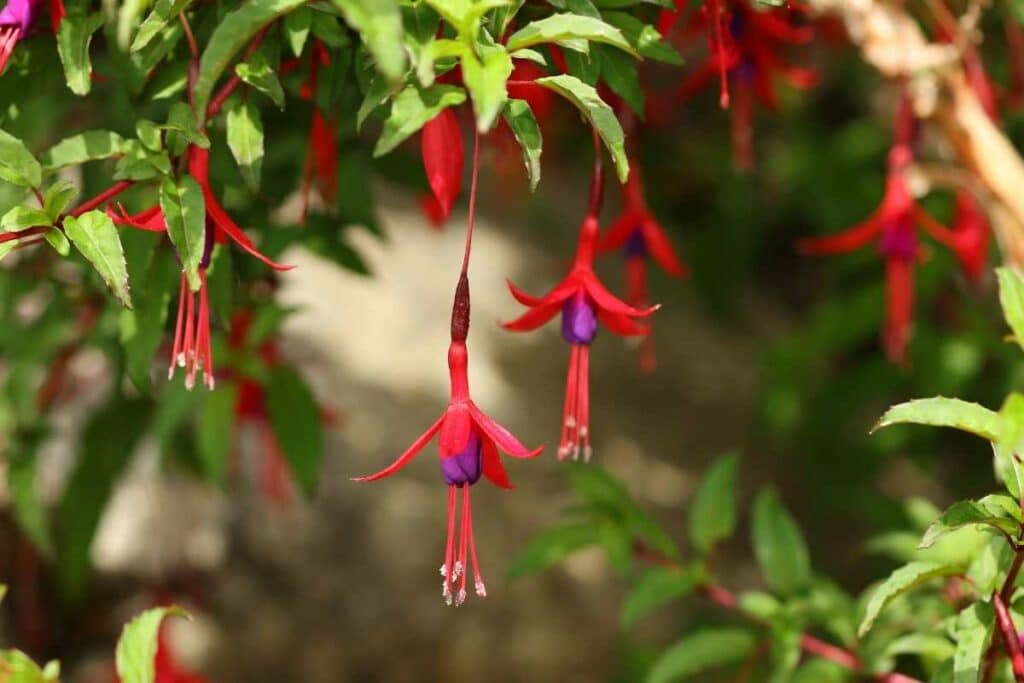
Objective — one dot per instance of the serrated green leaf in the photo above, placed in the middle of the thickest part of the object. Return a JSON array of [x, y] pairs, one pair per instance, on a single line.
[[163, 11], [377, 94], [22, 217], [969, 512], [379, 22], [551, 547], [96, 237], [17, 165], [181, 121], [233, 32], [245, 139], [713, 511], [705, 649], [412, 109], [524, 126], [259, 74], [973, 633], [559, 28], [56, 239], [486, 80], [295, 419], [136, 648], [779, 546], [73, 37], [78, 149], [599, 114], [905, 578], [58, 197], [944, 412], [184, 211], [655, 588]]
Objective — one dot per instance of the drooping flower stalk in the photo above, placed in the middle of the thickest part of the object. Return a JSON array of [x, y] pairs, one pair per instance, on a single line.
[[640, 236], [583, 301], [468, 439]]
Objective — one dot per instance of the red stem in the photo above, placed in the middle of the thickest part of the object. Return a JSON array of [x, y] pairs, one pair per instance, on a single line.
[[472, 201], [596, 180], [1011, 641], [225, 92], [102, 198]]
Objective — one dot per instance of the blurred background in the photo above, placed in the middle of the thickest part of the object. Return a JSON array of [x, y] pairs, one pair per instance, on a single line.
[[759, 351]]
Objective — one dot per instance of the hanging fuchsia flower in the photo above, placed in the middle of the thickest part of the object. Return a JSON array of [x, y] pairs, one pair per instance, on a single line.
[[639, 234], [582, 301], [191, 349], [17, 18], [744, 46], [893, 224], [441, 146], [321, 167], [468, 443]]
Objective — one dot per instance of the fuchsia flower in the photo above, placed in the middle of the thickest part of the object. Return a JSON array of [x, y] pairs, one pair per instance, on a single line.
[[893, 224], [441, 146], [743, 51], [639, 234], [583, 301], [17, 18], [322, 155], [191, 349], [468, 443]]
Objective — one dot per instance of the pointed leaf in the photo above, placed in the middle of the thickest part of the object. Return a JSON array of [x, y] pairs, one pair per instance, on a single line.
[[58, 197], [969, 512], [78, 149], [521, 120], [551, 547], [260, 75], [779, 546], [1011, 297], [96, 237], [184, 211], [486, 80], [599, 114], [412, 109], [136, 648], [713, 512], [295, 419], [944, 412], [655, 588], [905, 578], [17, 165], [974, 628], [245, 138], [22, 217], [558, 28], [73, 38], [379, 22], [705, 649]]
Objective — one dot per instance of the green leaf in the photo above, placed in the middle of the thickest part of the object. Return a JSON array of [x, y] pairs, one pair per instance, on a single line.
[[619, 72], [559, 28], [944, 412], [184, 211], [17, 667], [377, 94], [22, 217], [705, 649], [73, 38], [1010, 443], [260, 75], [295, 419], [599, 114], [967, 512], [245, 138], [96, 237], [138, 163], [58, 197], [156, 20], [17, 165], [486, 80], [521, 121], [1011, 297], [713, 511], [779, 546], [296, 29], [644, 37], [105, 448], [379, 22], [56, 239], [182, 121], [216, 431], [905, 578], [655, 588], [231, 34], [973, 633], [551, 547], [136, 648], [78, 149], [143, 328], [412, 109]]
